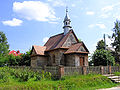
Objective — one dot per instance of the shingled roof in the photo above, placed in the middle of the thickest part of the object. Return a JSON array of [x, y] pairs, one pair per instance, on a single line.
[[74, 48], [57, 41], [39, 50]]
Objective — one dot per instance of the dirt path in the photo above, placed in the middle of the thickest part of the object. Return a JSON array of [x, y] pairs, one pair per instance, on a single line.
[[113, 88]]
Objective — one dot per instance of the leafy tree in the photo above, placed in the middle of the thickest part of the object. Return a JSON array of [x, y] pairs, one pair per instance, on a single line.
[[25, 60], [100, 45], [3, 44], [13, 60], [103, 57], [116, 38], [3, 48]]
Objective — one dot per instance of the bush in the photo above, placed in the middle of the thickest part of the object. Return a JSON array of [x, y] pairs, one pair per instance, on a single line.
[[4, 75], [22, 74], [103, 57]]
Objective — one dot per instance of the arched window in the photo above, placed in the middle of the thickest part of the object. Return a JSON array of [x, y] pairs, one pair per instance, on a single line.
[[66, 23], [53, 58]]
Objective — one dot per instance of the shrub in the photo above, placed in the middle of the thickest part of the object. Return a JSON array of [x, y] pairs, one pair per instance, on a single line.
[[103, 57], [4, 75]]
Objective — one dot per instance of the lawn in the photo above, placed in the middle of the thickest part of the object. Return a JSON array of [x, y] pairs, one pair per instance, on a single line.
[[26, 79]]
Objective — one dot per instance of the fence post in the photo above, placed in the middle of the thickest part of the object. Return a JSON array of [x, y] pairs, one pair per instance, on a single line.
[[84, 70], [61, 71], [102, 70], [44, 67], [109, 70]]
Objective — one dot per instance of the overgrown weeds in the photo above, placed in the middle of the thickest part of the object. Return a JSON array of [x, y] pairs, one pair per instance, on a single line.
[[27, 79]]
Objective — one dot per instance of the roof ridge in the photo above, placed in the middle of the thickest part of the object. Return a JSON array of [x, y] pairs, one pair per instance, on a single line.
[[79, 46], [57, 42], [38, 46], [56, 35]]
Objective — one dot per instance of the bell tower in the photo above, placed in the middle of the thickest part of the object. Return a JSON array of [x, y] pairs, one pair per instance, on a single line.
[[66, 22]]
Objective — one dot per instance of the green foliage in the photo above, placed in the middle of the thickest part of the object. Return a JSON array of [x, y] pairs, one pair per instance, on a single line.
[[25, 59], [13, 60], [117, 73], [116, 38], [100, 45], [19, 60], [103, 57], [3, 44], [3, 48], [90, 63], [4, 75], [42, 81]]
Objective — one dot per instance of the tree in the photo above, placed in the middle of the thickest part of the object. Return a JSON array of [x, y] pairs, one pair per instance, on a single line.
[[25, 59], [3, 44], [13, 60], [100, 45], [3, 47], [116, 38], [103, 57]]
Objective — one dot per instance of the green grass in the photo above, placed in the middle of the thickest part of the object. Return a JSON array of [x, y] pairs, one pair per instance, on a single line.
[[117, 73], [78, 82]]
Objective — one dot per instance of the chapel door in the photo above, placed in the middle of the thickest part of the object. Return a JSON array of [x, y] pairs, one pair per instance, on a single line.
[[81, 61]]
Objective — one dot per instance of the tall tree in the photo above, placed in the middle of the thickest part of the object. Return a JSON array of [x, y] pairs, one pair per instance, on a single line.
[[102, 56], [3, 47], [116, 36], [3, 44], [100, 45]]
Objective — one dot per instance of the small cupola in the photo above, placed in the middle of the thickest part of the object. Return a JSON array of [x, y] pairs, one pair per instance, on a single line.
[[66, 22]]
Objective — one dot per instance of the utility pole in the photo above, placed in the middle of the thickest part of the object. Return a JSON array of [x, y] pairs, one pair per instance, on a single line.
[[105, 45], [104, 41]]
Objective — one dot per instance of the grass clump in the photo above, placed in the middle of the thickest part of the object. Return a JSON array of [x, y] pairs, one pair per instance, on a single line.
[[117, 73], [27, 79]]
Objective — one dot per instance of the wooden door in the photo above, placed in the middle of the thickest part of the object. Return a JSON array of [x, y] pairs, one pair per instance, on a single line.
[[81, 61]]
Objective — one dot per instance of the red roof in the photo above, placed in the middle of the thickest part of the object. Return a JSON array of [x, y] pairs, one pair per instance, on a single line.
[[39, 50], [15, 53], [57, 41]]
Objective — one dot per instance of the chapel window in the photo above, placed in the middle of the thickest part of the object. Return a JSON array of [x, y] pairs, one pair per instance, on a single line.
[[66, 23], [53, 58]]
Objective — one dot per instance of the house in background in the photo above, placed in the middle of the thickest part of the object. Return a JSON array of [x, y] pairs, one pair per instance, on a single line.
[[61, 49], [116, 55]]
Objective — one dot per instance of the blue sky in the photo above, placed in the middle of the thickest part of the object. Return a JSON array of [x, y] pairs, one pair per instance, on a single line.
[[32, 22]]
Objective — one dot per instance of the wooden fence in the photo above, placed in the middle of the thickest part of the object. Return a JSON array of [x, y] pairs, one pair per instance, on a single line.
[[64, 70]]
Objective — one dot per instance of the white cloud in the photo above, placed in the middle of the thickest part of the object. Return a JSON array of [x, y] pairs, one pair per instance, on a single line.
[[13, 22], [90, 13], [45, 39], [110, 11], [91, 25], [104, 15], [107, 8], [73, 5], [106, 11], [53, 22], [57, 3], [100, 25], [34, 10]]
